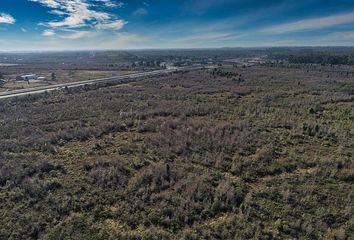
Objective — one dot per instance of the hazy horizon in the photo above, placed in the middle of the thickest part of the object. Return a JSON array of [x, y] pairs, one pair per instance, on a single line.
[[178, 49]]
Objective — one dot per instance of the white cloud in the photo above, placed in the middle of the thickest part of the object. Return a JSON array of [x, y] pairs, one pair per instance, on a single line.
[[24, 30], [57, 12], [111, 3], [79, 14], [48, 33], [48, 3], [312, 24], [116, 25], [6, 19]]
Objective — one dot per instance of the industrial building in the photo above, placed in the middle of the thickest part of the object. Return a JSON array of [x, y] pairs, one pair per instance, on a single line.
[[27, 77]]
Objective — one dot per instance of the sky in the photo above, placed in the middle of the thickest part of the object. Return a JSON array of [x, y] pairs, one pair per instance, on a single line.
[[156, 24]]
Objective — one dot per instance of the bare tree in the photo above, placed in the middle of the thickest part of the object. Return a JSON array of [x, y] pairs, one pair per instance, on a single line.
[[54, 77]]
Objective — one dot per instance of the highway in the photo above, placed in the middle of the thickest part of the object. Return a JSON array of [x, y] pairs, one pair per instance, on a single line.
[[49, 88]]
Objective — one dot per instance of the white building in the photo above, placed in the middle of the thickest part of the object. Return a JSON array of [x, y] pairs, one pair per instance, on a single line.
[[27, 77]]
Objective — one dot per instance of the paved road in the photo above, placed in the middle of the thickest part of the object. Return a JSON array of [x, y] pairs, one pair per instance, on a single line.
[[37, 90]]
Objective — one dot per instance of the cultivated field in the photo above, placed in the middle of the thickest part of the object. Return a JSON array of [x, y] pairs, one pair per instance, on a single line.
[[265, 152]]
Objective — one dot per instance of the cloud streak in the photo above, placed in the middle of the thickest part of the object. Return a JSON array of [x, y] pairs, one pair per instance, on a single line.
[[116, 25], [78, 35], [48, 33], [209, 37], [311, 24]]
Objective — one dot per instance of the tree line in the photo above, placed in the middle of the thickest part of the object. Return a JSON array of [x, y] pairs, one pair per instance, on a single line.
[[317, 58]]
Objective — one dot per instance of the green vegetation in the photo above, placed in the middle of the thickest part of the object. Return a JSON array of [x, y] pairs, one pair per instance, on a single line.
[[193, 155]]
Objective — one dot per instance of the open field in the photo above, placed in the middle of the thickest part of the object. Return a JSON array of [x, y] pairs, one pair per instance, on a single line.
[[100, 82], [61, 76], [65, 67], [260, 152]]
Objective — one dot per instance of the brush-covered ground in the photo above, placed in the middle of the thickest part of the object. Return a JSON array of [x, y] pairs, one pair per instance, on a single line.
[[234, 153]]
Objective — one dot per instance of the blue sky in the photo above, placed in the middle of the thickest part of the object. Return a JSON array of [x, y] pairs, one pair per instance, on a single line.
[[133, 24]]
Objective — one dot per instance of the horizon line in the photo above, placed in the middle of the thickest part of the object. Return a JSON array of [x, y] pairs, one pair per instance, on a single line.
[[162, 49]]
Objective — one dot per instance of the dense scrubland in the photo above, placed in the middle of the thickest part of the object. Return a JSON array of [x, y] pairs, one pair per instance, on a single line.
[[230, 153]]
